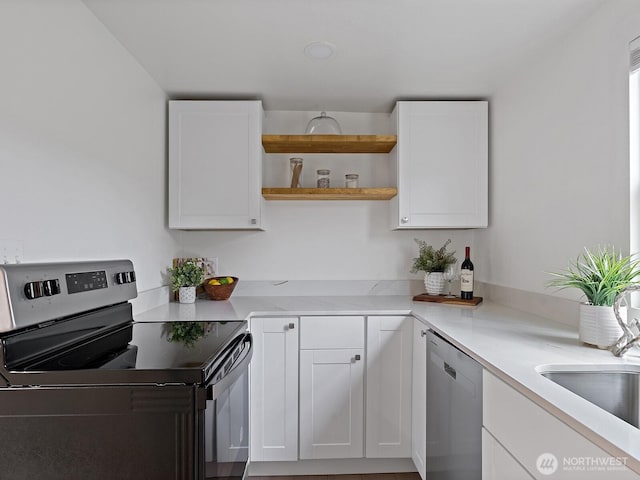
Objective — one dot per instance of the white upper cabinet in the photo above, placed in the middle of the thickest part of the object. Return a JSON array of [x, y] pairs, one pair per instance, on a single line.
[[215, 162], [441, 163]]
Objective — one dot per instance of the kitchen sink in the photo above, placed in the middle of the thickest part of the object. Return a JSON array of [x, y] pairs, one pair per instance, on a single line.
[[615, 389]]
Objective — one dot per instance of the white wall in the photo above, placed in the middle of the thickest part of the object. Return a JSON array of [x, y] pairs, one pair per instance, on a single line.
[[82, 156], [82, 142], [322, 240], [310, 240], [559, 163]]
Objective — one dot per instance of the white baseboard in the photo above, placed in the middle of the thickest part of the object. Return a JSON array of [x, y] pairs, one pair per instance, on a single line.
[[341, 466]]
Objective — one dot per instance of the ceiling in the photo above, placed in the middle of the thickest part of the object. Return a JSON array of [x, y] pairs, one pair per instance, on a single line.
[[385, 49]]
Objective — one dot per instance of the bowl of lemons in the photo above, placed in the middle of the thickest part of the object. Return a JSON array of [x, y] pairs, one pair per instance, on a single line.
[[220, 288]]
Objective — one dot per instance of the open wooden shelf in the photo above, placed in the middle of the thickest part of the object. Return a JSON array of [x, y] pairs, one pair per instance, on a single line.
[[328, 143], [385, 193]]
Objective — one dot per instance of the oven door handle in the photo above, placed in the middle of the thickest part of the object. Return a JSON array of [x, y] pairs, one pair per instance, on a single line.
[[241, 365]]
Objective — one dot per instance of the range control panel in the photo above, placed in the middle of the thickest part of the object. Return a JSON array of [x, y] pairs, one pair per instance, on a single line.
[[76, 283], [34, 293]]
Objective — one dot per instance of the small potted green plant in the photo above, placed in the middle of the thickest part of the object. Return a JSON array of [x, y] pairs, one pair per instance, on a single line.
[[600, 275], [184, 279], [433, 263]]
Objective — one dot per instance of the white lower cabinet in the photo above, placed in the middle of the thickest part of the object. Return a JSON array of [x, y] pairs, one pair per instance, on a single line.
[[497, 463], [274, 389], [307, 384], [419, 399], [517, 430], [331, 403], [308, 395], [332, 387], [388, 395]]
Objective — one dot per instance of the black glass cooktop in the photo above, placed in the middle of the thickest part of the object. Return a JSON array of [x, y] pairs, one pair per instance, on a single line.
[[178, 345], [106, 346]]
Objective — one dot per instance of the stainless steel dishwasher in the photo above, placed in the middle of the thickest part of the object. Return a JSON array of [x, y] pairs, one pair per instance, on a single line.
[[454, 412]]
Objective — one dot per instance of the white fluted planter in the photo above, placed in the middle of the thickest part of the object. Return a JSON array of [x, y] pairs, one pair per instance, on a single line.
[[434, 283], [598, 325]]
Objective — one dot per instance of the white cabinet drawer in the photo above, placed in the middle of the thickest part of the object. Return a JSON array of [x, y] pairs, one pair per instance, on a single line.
[[329, 332]]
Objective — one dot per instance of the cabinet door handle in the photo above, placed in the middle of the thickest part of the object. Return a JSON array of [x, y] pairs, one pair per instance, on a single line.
[[292, 326], [254, 221], [356, 358], [404, 220], [423, 333]]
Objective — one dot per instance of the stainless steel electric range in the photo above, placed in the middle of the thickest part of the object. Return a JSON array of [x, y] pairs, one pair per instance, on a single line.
[[87, 393]]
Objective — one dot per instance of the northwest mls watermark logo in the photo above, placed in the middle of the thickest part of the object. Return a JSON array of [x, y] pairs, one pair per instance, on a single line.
[[548, 464]]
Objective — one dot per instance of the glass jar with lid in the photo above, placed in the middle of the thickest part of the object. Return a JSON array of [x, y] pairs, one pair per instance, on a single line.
[[323, 178], [351, 180], [295, 167]]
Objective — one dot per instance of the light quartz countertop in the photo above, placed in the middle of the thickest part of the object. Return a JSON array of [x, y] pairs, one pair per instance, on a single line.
[[511, 344]]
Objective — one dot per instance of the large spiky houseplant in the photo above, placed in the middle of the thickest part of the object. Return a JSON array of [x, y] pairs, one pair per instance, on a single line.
[[600, 275]]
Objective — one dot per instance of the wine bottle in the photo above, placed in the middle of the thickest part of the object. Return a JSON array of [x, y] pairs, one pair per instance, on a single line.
[[466, 276]]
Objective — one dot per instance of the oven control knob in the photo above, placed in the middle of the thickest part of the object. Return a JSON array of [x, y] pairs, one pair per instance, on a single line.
[[125, 277], [51, 287], [33, 290]]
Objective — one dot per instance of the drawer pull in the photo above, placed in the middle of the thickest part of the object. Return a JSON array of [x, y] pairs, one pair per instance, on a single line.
[[292, 326], [356, 358]]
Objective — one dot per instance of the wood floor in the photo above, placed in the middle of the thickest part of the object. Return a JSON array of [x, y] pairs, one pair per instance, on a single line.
[[368, 476]]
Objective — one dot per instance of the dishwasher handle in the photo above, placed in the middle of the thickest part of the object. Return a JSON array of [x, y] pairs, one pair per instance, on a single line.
[[449, 370], [443, 366], [460, 378]]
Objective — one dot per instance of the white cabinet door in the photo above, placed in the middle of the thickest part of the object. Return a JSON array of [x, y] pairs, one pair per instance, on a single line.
[[215, 159], [274, 389], [497, 463], [331, 403], [388, 423], [419, 399], [441, 161], [542, 444]]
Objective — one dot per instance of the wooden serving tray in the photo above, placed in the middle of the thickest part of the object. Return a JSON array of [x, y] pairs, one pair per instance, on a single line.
[[423, 297]]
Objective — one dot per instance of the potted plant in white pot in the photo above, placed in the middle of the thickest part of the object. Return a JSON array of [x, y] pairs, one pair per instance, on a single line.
[[185, 278], [433, 263], [601, 275]]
